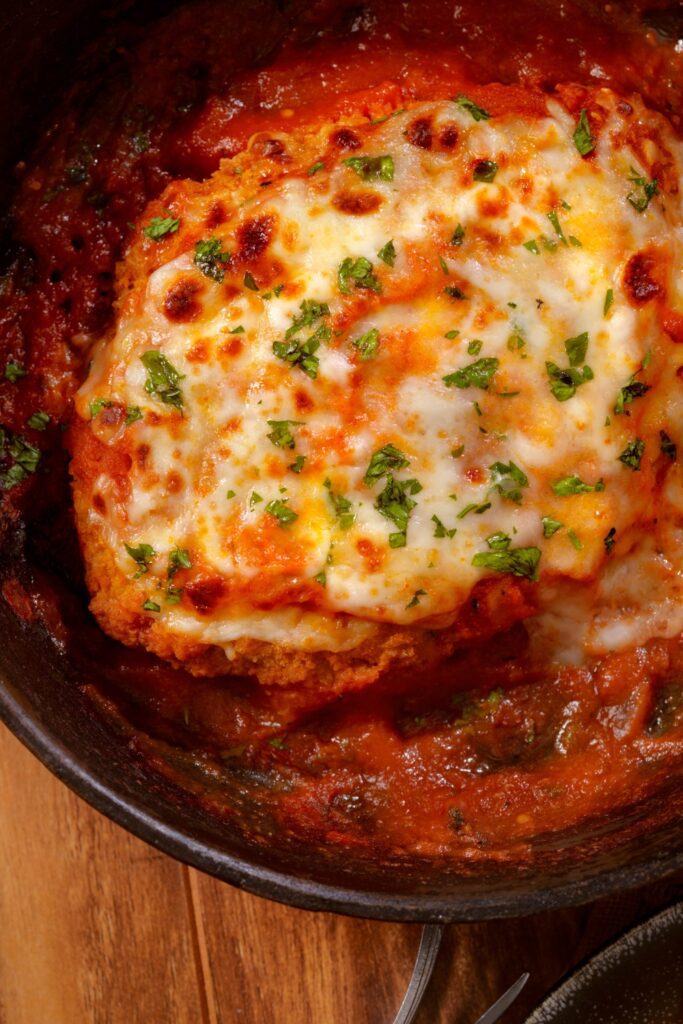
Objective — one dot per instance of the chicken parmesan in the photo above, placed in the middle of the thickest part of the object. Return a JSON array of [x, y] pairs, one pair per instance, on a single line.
[[378, 387], [340, 360]]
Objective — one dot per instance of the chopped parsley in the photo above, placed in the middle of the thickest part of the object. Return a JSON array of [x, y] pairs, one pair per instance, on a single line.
[[564, 382], [632, 454], [387, 253], [502, 558], [281, 435], [473, 507], [372, 167], [254, 499], [478, 113], [609, 301], [249, 282], [178, 559], [474, 347], [162, 378], [311, 312], [583, 140], [666, 446], [550, 526], [210, 257], [281, 511], [230, 494], [358, 272], [159, 227], [151, 606], [640, 200], [133, 414], [343, 509], [485, 170], [478, 374], [573, 484], [97, 405], [237, 330], [321, 578], [314, 168], [458, 236], [609, 541], [574, 540], [142, 555], [38, 420], [383, 462], [508, 480], [415, 599], [14, 371], [26, 458], [576, 349], [300, 353], [395, 504], [456, 453], [634, 389], [298, 464], [454, 292], [555, 221], [532, 246], [367, 344], [444, 266], [451, 335], [440, 530]]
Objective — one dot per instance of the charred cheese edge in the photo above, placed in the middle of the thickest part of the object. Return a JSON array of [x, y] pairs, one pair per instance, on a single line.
[[362, 370]]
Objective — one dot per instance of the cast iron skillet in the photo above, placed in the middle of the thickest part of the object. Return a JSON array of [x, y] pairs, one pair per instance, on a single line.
[[44, 703]]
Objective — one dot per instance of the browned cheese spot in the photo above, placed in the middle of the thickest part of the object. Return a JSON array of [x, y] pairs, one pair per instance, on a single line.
[[344, 138], [419, 133], [253, 237], [448, 139], [357, 204], [639, 284], [216, 215], [182, 300], [205, 594]]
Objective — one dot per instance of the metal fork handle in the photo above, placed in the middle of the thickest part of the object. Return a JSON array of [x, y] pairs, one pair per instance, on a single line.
[[430, 943]]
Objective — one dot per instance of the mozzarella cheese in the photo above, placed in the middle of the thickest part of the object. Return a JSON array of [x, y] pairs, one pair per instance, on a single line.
[[395, 370]]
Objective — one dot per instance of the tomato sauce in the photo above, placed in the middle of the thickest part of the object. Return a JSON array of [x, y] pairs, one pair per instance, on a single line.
[[483, 757]]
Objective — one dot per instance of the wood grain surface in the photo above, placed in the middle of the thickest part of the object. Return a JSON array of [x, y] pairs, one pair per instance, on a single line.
[[96, 927]]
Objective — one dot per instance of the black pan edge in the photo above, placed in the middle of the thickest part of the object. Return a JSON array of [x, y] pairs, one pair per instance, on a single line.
[[306, 893]]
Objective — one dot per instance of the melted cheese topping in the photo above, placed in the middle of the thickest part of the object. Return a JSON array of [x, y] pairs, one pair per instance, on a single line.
[[488, 345]]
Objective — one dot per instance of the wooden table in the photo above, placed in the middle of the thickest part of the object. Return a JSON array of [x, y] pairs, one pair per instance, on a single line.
[[96, 927]]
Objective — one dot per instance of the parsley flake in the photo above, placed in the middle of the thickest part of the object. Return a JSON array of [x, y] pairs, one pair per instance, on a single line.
[[387, 253], [517, 561], [478, 113], [38, 421], [583, 140], [281, 434], [609, 301], [458, 236], [478, 374], [281, 511], [367, 344], [550, 526], [209, 257], [640, 200], [14, 371], [632, 454], [358, 272], [440, 530], [415, 599], [343, 509], [142, 555], [508, 479], [159, 227], [385, 461], [395, 504], [372, 167], [573, 484], [162, 378]]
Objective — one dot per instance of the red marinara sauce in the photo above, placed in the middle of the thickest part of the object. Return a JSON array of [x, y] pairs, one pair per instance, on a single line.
[[483, 757]]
